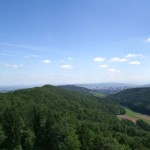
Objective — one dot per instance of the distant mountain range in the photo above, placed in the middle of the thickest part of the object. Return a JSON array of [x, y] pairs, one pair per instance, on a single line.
[[105, 88], [8, 88], [100, 88], [106, 85], [108, 88], [147, 85]]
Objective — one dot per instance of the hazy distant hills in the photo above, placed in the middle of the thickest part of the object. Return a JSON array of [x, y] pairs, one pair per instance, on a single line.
[[106, 85], [104, 88], [8, 88], [147, 85], [108, 88]]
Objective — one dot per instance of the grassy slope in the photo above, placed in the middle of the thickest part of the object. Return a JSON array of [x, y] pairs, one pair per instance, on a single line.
[[98, 94], [131, 115]]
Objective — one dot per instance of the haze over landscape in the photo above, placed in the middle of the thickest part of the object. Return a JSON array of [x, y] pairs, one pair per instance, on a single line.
[[74, 75], [67, 42]]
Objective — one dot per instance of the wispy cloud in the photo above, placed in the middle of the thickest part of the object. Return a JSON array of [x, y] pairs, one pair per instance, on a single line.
[[99, 59], [134, 55], [66, 66], [13, 65], [46, 61], [103, 66], [70, 58], [134, 63], [22, 46], [148, 40], [117, 59]]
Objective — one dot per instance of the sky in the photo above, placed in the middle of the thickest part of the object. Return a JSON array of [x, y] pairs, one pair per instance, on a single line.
[[74, 41]]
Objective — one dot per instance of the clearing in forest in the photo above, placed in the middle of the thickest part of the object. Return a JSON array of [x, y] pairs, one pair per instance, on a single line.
[[133, 116]]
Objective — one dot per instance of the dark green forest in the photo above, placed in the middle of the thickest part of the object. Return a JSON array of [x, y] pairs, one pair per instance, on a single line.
[[54, 118], [137, 99]]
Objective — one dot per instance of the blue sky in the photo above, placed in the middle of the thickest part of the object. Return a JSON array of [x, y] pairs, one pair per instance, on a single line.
[[74, 41]]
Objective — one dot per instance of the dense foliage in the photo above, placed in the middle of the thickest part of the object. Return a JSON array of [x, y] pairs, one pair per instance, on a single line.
[[76, 89], [52, 118], [143, 125], [83, 90], [137, 99]]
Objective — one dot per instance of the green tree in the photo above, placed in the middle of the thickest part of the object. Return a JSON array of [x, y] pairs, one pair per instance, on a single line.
[[143, 125], [71, 142], [12, 127], [28, 139], [2, 135]]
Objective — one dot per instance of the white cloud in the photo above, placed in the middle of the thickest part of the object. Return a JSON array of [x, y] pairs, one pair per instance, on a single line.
[[134, 63], [134, 55], [116, 59], [70, 58], [13, 65], [66, 66], [99, 59], [148, 39], [46, 61], [103, 66]]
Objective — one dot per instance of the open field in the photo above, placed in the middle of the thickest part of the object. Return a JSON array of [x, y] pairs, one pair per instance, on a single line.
[[98, 94], [133, 116]]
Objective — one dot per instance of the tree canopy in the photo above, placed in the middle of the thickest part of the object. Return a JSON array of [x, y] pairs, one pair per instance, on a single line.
[[53, 118]]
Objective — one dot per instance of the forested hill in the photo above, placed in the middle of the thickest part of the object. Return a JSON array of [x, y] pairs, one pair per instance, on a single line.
[[137, 99], [52, 118], [76, 89]]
